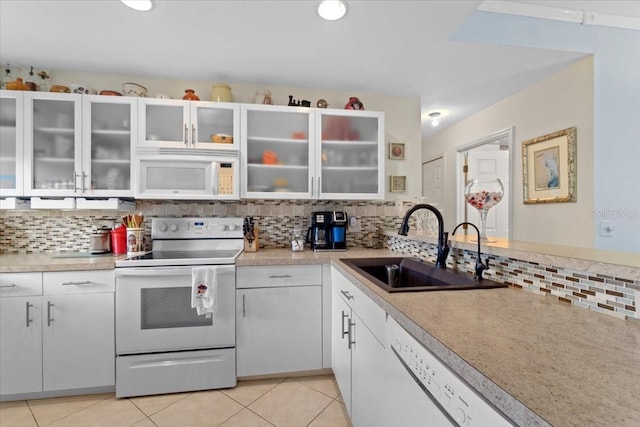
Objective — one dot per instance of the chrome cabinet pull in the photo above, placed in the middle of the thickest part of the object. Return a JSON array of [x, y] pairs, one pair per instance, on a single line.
[[319, 187], [351, 341], [84, 178], [313, 188], [86, 282], [49, 318], [186, 135], [193, 135], [29, 319], [347, 295], [75, 181], [279, 276], [244, 307], [344, 316], [13, 285]]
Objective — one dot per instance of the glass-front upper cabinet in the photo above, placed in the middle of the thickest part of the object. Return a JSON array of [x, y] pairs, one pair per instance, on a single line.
[[108, 135], [52, 139], [11, 146], [350, 154], [188, 124], [277, 152]]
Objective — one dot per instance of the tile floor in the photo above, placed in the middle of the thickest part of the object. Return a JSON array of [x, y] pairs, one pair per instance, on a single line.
[[286, 402]]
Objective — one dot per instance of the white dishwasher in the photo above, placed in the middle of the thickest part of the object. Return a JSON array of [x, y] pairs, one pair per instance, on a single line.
[[424, 392]]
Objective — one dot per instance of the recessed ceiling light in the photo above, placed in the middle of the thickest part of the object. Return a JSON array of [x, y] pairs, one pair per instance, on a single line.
[[141, 5], [332, 10]]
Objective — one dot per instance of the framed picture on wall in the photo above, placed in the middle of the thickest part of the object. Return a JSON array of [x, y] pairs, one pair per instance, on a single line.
[[398, 184], [396, 151], [549, 168]]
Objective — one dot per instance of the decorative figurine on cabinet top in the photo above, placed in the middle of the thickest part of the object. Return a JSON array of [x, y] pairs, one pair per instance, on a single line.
[[298, 103], [190, 95], [354, 104]]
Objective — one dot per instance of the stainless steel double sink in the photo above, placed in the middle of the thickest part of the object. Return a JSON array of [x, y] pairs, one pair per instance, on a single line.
[[415, 275]]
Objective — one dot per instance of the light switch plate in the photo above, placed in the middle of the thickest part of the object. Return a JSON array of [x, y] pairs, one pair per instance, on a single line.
[[606, 228]]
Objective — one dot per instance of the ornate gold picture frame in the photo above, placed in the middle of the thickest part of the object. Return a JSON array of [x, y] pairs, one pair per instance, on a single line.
[[398, 184], [549, 168]]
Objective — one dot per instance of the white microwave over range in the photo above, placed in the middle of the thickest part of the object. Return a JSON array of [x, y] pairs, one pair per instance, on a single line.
[[187, 177]]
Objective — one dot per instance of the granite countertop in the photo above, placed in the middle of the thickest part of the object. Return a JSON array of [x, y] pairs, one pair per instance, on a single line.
[[19, 263], [539, 361]]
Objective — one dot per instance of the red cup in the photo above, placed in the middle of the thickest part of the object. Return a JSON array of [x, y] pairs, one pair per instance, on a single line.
[[119, 240]]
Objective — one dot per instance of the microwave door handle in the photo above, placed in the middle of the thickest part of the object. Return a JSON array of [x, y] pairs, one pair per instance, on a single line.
[[215, 172]]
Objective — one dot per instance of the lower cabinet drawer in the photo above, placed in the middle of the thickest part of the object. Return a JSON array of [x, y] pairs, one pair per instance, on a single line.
[[279, 275], [20, 284], [175, 372], [78, 282]]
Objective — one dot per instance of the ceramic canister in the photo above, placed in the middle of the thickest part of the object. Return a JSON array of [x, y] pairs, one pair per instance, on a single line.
[[221, 92]]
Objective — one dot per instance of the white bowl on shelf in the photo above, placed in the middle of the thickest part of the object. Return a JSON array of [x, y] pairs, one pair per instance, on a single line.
[[134, 89]]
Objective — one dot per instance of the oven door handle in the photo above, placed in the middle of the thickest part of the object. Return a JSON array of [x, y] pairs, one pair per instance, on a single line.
[[166, 271]]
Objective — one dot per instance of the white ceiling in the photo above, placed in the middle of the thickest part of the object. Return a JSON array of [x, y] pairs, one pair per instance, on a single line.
[[395, 47]]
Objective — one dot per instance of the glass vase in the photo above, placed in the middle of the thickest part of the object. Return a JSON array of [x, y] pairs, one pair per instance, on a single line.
[[483, 195]]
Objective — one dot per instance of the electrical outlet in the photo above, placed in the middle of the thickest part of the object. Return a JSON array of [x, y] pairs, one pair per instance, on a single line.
[[607, 228], [354, 224]]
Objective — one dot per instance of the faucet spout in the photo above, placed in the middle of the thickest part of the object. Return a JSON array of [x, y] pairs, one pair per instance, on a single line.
[[443, 245], [480, 267]]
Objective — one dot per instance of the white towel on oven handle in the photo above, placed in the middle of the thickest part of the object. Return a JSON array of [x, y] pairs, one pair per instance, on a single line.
[[204, 290]]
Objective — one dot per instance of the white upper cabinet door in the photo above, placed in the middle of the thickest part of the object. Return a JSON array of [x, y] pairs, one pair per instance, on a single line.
[[11, 143], [109, 133], [177, 123], [53, 139], [277, 152], [350, 154]]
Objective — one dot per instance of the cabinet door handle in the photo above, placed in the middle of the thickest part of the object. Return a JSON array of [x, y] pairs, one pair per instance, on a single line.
[[344, 316], [86, 282], [49, 318], [84, 178], [244, 307], [193, 135], [13, 285], [186, 135], [319, 186], [347, 295], [75, 181], [351, 341], [313, 188], [29, 320], [279, 276]]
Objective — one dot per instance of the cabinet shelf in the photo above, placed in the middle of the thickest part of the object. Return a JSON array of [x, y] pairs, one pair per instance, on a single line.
[[277, 167], [125, 162], [349, 143], [349, 168], [267, 139], [112, 132], [54, 160], [55, 131]]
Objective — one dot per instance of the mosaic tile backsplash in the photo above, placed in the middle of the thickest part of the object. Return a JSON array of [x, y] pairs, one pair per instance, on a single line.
[[614, 296], [51, 231]]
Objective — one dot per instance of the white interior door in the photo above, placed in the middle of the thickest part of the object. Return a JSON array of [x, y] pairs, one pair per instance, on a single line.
[[489, 162], [433, 182]]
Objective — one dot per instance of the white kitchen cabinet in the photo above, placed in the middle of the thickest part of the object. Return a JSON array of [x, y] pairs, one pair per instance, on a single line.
[[57, 331], [277, 152], [78, 145], [11, 143], [358, 352], [20, 333], [278, 319], [175, 123], [349, 154], [307, 153]]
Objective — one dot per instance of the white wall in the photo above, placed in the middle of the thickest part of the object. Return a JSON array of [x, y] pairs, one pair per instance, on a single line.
[[402, 113], [561, 101]]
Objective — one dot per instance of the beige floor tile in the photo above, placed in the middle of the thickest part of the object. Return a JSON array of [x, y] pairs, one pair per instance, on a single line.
[[246, 392], [334, 416], [16, 414], [246, 418], [323, 383], [290, 404], [108, 413], [48, 411], [206, 408], [339, 398], [152, 404], [144, 423]]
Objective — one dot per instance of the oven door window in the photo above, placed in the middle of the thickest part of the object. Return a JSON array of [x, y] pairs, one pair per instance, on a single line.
[[164, 308]]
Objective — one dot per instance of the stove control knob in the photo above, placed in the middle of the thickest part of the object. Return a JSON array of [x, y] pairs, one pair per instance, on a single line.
[[460, 416], [232, 227], [173, 227], [221, 227], [162, 227]]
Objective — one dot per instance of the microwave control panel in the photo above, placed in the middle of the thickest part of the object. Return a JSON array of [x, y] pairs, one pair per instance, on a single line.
[[225, 178]]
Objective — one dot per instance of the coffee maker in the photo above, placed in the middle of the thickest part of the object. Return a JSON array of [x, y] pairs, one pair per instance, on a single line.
[[328, 231]]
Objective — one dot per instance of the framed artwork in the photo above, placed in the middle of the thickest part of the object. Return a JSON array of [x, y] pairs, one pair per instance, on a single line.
[[549, 166], [396, 151], [398, 184]]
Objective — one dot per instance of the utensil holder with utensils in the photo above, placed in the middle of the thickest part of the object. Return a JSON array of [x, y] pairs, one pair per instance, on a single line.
[[135, 241]]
